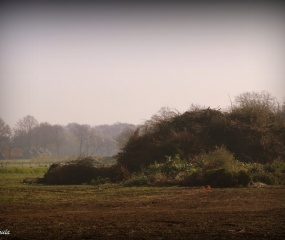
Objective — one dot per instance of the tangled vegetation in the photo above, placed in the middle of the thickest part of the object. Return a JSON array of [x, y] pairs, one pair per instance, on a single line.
[[202, 146], [253, 130], [230, 147], [218, 168], [81, 171]]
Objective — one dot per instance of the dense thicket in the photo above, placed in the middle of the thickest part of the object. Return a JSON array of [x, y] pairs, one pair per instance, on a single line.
[[253, 130], [81, 171]]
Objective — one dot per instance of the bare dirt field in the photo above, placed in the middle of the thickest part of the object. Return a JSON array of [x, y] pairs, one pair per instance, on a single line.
[[116, 212]]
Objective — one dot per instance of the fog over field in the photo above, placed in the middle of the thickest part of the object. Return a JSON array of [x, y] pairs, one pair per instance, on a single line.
[[102, 64]]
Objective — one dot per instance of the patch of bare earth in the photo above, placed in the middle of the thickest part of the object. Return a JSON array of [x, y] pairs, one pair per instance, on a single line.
[[154, 213]]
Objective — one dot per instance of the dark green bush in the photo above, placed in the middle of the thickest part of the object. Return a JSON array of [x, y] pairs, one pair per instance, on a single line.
[[277, 166], [219, 158], [264, 177], [219, 178], [100, 180], [171, 167], [137, 180], [243, 178], [195, 179]]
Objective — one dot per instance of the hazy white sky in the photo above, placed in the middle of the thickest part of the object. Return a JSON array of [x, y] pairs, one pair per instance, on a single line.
[[104, 65]]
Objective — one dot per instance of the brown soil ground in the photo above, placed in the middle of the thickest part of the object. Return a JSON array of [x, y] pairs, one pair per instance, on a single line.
[[113, 212]]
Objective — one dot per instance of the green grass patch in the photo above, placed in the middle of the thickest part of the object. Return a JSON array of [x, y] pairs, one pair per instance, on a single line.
[[23, 170], [14, 191]]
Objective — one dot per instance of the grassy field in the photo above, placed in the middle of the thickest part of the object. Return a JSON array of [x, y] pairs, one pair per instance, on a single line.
[[31, 162], [45, 161], [115, 212]]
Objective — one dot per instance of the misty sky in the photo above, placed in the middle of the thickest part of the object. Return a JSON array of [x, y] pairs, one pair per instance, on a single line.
[[101, 65]]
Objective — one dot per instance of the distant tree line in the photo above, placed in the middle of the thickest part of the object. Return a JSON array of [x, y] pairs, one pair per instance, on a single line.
[[29, 138]]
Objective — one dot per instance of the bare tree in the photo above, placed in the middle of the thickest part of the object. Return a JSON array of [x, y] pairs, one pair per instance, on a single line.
[[5, 134], [283, 108], [23, 130], [81, 132], [159, 120], [260, 108], [43, 135], [5, 131], [57, 136], [262, 100], [95, 142]]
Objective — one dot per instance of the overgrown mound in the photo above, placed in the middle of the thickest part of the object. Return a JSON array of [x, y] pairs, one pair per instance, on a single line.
[[81, 171], [252, 135]]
